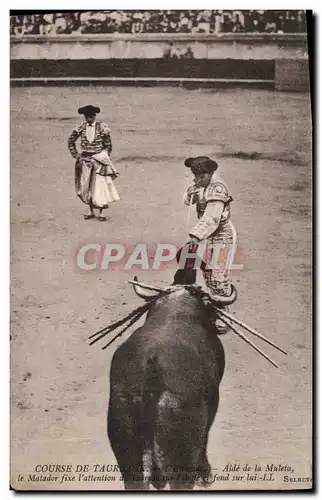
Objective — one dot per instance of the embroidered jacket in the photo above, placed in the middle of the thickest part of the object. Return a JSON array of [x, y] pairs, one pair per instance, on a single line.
[[209, 214], [102, 139]]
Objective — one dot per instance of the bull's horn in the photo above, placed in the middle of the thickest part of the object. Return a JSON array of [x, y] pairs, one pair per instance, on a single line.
[[222, 300], [145, 292]]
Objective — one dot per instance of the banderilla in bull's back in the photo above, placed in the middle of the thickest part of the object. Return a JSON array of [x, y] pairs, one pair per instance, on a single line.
[[135, 315]]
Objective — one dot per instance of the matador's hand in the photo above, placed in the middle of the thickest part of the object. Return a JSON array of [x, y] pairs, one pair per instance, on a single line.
[[192, 190], [193, 244]]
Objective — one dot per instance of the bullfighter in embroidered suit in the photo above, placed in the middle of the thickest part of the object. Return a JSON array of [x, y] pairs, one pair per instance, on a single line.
[[212, 199], [94, 171]]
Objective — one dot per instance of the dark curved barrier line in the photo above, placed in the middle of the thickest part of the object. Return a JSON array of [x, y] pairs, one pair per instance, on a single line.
[[247, 69]]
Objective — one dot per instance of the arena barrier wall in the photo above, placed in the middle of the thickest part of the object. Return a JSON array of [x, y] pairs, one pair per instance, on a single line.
[[292, 74], [162, 59]]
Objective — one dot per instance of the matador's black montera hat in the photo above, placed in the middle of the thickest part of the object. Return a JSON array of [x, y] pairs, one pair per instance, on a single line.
[[201, 165], [89, 110]]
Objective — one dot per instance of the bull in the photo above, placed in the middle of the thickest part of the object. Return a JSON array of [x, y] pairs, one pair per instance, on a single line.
[[164, 390]]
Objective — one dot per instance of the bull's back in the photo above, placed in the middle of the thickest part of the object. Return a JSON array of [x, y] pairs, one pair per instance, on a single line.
[[186, 361]]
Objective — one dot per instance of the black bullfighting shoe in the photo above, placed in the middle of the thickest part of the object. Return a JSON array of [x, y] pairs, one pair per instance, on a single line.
[[221, 327]]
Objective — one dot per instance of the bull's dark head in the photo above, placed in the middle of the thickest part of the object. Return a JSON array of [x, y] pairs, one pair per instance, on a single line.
[[185, 278]]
